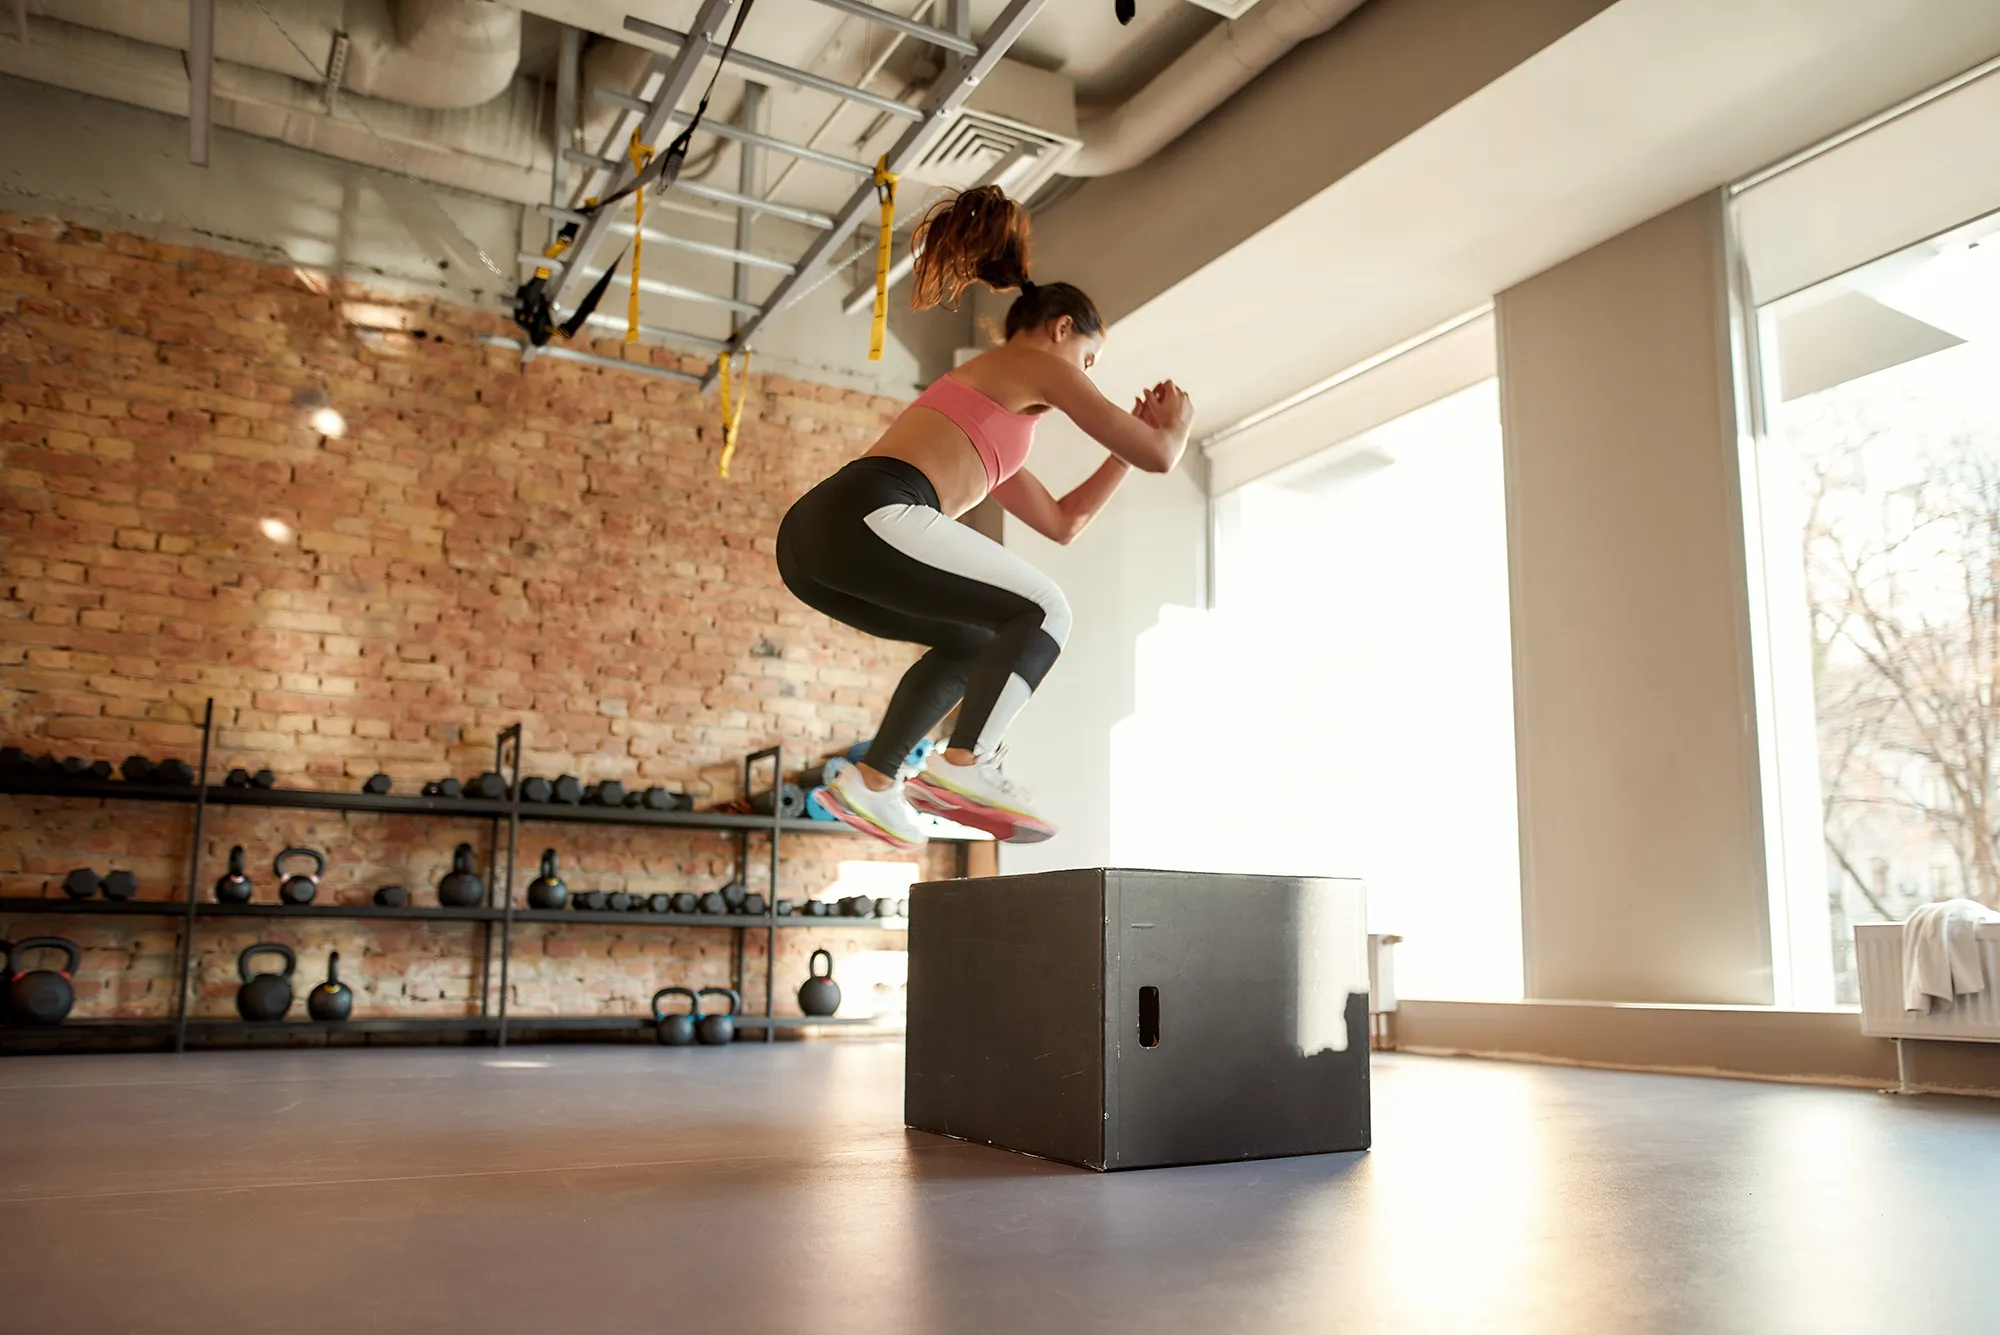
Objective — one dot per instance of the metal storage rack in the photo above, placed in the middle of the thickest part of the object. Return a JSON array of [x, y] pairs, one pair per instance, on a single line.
[[496, 918]]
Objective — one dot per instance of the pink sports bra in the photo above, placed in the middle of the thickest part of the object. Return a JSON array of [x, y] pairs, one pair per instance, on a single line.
[[1001, 439]]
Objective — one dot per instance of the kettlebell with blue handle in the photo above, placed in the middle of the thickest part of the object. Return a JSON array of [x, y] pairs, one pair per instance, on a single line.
[[675, 1030]]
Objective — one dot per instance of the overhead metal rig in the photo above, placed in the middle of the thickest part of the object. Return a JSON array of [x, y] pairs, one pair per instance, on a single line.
[[652, 115]]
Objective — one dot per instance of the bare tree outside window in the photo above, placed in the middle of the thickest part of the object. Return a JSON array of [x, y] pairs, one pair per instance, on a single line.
[[1902, 573]]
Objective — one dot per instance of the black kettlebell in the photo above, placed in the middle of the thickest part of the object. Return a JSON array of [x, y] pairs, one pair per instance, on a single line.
[[332, 999], [41, 996], [547, 891], [675, 1031], [719, 1028], [819, 994], [234, 887], [296, 888], [264, 996], [461, 888]]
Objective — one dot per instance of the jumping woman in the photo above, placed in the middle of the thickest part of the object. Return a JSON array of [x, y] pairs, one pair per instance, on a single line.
[[877, 546]]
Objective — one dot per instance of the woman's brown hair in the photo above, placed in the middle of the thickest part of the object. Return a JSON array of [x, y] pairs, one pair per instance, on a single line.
[[981, 236]]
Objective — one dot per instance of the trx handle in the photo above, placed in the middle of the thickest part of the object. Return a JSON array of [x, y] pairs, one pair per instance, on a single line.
[[885, 191], [536, 314]]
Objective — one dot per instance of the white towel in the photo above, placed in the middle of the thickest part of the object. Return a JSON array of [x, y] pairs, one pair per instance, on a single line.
[[1941, 953]]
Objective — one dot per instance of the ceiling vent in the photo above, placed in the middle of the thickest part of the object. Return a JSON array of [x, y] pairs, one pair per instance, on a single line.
[[1229, 9], [1018, 113]]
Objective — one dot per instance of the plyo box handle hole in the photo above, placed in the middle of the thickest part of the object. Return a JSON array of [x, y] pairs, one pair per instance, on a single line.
[[1149, 1017]]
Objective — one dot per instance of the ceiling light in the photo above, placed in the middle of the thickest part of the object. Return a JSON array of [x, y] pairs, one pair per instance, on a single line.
[[328, 422], [277, 530]]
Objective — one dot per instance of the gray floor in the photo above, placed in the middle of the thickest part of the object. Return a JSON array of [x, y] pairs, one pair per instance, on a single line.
[[773, 1189]]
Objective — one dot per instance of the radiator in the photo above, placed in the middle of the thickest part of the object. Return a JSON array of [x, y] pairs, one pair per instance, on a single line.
[[1878, 957]]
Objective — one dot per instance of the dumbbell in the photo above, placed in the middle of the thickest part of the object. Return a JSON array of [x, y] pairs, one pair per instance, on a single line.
[[237, 778], [392, 897], [713, 902], [82, 883], [76, 767], [13, 760], [136, 769], [734, 894], [753, 905], [609, 793], [618, 901], [660, 903], [686, 901], [885, 908], [444, 788], [378, 785], [567, 790], [175, 772], [593, 900], [783, 908], [263, 778], [46, 766], [488, 787], [537, 789], [120, 885], [814, 908]]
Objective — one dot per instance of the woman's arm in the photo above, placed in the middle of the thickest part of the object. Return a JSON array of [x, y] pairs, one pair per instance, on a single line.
[[1152, 443], [1024, 497]]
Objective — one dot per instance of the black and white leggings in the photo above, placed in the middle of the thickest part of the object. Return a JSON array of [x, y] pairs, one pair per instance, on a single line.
[[870, 548]]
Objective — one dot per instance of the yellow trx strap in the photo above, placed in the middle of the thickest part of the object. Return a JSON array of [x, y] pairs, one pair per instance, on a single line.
[[885, 190], [641, 155], [732, 409]]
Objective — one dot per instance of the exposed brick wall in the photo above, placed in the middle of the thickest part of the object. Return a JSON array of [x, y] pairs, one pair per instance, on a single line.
[[480, 547]]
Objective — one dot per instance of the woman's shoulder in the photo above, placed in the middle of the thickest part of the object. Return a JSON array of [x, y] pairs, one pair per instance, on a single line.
[[1019, 379]]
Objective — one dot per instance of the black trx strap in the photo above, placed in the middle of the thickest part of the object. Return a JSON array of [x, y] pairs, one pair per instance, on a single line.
[[533, 310]]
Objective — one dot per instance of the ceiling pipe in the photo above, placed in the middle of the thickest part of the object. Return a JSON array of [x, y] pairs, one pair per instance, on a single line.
[[1206, 75], [440, 55]]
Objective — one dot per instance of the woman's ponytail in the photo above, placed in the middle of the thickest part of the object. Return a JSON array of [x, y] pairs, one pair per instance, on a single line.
[[981, 236], [976, 236]]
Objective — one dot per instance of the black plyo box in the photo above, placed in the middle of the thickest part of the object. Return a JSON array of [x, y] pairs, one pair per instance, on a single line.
[[1136, 1019]]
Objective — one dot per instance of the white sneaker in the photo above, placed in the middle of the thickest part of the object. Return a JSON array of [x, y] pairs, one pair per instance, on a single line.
[[979, 795], [886, 815]]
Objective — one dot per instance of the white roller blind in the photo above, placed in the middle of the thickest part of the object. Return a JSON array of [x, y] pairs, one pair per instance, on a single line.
[[1922, 173], [1424, 374]]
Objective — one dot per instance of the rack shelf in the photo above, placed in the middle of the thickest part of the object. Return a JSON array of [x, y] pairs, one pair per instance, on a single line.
[[614, 918], [178, 909], [463, 808], [126, 908], [615, 1022], [211, 1028]]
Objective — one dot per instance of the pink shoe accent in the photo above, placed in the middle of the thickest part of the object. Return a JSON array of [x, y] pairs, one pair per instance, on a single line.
[[1006, 826], [848, 816]]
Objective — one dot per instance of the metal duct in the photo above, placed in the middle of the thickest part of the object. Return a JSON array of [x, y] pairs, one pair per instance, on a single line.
[[499, 149], [436, 54], [1211, 71]]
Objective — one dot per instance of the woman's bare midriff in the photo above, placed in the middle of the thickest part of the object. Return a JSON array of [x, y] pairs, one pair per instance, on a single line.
[[935, 446]]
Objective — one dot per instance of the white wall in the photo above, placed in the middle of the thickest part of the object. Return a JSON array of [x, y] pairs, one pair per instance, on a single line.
[[1146, 552]]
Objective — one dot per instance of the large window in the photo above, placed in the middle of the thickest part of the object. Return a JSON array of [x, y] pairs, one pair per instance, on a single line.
[[1347, 707], [1875, 488]]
